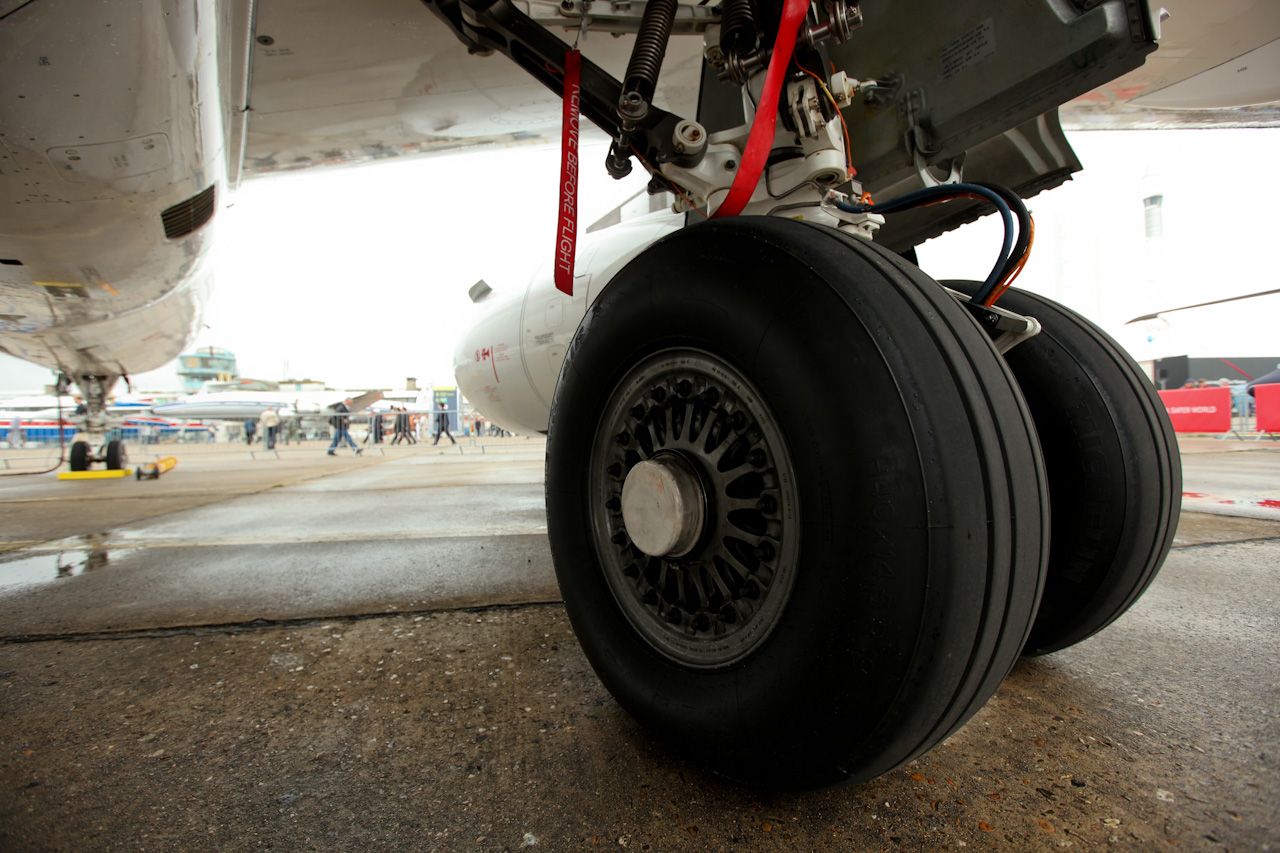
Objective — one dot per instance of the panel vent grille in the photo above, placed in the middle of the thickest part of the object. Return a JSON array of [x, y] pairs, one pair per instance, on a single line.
[[186, 216]]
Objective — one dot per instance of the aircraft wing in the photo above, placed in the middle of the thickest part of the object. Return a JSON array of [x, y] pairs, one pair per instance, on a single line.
[[333, 82], [1218, 66], [363, 401]]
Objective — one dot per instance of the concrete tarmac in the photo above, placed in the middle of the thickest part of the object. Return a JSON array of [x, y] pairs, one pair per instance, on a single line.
[[302, 652]]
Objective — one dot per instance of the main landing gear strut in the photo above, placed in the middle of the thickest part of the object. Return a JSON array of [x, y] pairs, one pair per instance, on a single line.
[[93, 429]]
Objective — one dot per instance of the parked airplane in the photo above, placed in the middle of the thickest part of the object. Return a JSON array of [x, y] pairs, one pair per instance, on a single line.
[[797, 580], [51, 406], [239, 405]]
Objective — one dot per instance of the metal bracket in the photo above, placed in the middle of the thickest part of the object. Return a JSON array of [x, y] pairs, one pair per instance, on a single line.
[[1006, 328], [919, 141], [863, 225], [618, 16], [954, 167]]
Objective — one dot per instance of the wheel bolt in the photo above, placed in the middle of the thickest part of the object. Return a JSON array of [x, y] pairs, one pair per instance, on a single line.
[[658, 394], [765, 551], [768, 504], [684, 387], [738, 420], [757, 458], [711, 396]]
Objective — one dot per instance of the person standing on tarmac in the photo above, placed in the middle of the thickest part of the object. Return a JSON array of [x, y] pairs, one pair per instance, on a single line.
[[442, 425], [400, 423], [270, 420], [375, 429], [341, 422]]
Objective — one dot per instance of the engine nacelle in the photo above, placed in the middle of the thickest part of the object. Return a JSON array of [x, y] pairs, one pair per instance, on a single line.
[[508, 361]]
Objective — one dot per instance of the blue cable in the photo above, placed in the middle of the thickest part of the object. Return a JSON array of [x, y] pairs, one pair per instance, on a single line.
[[922, 196]]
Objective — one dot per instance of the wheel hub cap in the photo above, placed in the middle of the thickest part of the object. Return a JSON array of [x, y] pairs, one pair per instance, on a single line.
[[663, 506]]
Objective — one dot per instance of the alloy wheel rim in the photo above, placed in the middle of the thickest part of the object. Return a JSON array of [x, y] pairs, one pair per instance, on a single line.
[[712, 602]]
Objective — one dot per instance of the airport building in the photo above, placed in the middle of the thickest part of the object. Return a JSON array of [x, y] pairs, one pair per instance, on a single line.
[[206, 364]]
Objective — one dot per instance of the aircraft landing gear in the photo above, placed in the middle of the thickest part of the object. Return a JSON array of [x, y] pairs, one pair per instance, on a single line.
[[114, 454], [94, 427], [81, 456], [795, 500], [1115, 478]]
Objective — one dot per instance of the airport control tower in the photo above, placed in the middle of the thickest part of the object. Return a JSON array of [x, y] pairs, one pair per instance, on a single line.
[[206, 364]]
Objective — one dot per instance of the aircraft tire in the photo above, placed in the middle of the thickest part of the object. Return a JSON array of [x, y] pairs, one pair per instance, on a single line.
[[1115, 476], [117, 455], [79, 458], [894, 484]]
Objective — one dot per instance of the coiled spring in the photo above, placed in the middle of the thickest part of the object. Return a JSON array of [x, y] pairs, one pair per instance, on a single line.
[[646, 58], [738, 34]]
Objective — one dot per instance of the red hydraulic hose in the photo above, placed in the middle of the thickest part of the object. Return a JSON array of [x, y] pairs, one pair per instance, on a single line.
[[760, 141]]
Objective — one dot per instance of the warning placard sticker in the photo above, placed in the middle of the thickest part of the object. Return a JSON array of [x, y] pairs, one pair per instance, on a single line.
[[968, 49]]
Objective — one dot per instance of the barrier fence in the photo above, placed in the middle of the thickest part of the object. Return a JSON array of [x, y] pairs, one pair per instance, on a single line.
[[1208, 410], [44, 432], [1267, 398]]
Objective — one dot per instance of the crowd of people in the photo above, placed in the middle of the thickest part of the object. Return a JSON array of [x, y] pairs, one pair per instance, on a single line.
[[405, 427]]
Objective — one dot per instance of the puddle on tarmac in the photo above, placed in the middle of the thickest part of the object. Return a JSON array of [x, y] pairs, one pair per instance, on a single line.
[[90, 555]]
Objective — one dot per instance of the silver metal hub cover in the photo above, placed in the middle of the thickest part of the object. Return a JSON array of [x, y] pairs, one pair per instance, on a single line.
[[663, 507]]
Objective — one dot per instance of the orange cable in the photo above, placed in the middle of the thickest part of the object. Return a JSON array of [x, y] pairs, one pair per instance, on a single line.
[[848, 145], [1017, 270]]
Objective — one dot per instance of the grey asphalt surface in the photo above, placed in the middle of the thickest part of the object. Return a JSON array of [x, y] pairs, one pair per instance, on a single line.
[[313, 653]]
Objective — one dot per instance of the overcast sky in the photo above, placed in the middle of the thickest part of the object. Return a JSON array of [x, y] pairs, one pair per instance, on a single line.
[[1092, 254], [358, 276]]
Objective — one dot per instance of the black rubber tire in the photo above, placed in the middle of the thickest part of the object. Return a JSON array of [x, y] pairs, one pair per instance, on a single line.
[[117, 455], [79, 458], [923, 506], [1115, 475]]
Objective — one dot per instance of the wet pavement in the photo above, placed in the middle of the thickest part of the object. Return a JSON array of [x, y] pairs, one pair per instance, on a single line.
[[313, 653]]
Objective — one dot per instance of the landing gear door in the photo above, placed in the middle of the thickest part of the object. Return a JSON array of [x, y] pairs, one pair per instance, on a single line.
[[951, 75]]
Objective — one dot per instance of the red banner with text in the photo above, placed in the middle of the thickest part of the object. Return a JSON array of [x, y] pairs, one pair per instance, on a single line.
[[567, 225], [1199, 409], [1267, 400]]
